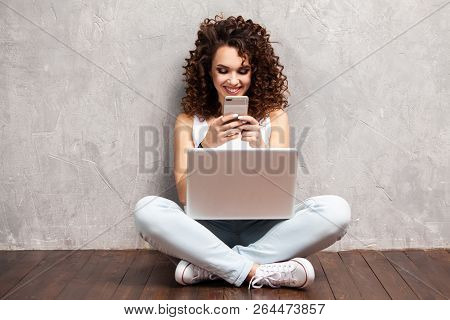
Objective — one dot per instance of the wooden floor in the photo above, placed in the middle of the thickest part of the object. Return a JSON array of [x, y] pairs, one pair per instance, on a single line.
[[145, 274]]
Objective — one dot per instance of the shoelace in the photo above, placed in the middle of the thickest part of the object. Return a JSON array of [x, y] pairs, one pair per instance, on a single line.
[[271, 274], [203, 274]]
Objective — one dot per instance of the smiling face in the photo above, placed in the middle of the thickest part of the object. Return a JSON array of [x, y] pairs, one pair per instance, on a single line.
[[230, 76]]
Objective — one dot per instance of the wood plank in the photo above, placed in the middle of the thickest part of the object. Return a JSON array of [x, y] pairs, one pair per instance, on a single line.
[[51, 275], [368, 284], [441, 258], [161, 281], [439, 277], [263, 293], [180, 292], [416, 279], [439, 254], [288, 293], [231, 292], [110, 277], [338, 276], [114, 274], [15, 265], [75, 289], [23, 285], [211, 290], [6, 258], [177, 291], [100, 276], [320, 289], [137, 275], [392, 282]]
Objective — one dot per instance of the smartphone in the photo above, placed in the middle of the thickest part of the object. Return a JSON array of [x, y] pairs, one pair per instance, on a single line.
[[235, 104]]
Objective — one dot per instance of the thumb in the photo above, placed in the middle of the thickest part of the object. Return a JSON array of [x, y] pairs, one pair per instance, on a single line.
[[218, 120]]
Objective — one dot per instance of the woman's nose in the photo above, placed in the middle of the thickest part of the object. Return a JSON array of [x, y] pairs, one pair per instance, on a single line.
[[233, 81]]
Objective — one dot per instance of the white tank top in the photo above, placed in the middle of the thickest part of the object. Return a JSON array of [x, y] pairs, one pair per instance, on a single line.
[[200, 129]]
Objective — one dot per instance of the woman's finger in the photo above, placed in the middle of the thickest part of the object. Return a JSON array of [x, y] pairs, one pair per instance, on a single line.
[[231, 137], [250, 127], [250, 133], [250, 119], [231, 132]]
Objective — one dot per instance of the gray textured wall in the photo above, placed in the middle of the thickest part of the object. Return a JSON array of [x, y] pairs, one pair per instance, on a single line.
[[78, 79]]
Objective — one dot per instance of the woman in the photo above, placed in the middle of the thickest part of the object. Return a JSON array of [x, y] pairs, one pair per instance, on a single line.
[[234, 56]]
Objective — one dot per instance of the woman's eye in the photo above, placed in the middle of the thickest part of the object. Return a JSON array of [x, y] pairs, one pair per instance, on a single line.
[[223, 71]]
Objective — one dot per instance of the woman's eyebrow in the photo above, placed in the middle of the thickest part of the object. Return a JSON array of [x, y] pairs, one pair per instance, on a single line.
[[223, 66]]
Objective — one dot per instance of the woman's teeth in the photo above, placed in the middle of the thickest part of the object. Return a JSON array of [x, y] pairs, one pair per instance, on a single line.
[[232, 90]]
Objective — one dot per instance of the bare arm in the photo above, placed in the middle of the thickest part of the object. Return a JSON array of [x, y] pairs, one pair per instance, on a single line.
[[182, 142], [279, 123]]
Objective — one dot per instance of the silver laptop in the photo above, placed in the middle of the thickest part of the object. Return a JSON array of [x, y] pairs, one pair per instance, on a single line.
[[254, 183]]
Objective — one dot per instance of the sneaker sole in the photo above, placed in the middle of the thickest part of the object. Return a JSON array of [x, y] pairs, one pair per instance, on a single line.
[[309, 271], [179, 272]]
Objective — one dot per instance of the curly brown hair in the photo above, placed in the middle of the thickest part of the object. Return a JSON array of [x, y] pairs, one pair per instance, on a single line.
[[268, 84]]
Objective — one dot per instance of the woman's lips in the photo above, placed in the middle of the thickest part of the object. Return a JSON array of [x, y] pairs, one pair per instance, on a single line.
[[232, 91]]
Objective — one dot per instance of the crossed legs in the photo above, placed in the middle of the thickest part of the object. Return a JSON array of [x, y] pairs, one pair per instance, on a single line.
[[318, 222]]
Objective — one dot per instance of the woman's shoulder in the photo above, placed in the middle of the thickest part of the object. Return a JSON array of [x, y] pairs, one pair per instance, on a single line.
[[276, 112], [278, 115], [185, 119]]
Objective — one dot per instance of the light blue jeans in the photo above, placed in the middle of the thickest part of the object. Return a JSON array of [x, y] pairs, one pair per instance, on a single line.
[[229, 248]]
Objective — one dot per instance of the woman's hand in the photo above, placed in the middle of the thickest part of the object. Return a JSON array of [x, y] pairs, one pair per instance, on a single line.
[[222, 130], [251, 132]]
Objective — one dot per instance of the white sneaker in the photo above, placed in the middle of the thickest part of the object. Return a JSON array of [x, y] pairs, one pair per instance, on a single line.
[[297, 272], [187, 273]]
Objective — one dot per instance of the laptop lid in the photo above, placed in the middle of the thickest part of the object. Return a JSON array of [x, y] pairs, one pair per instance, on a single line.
[[256, 183]]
